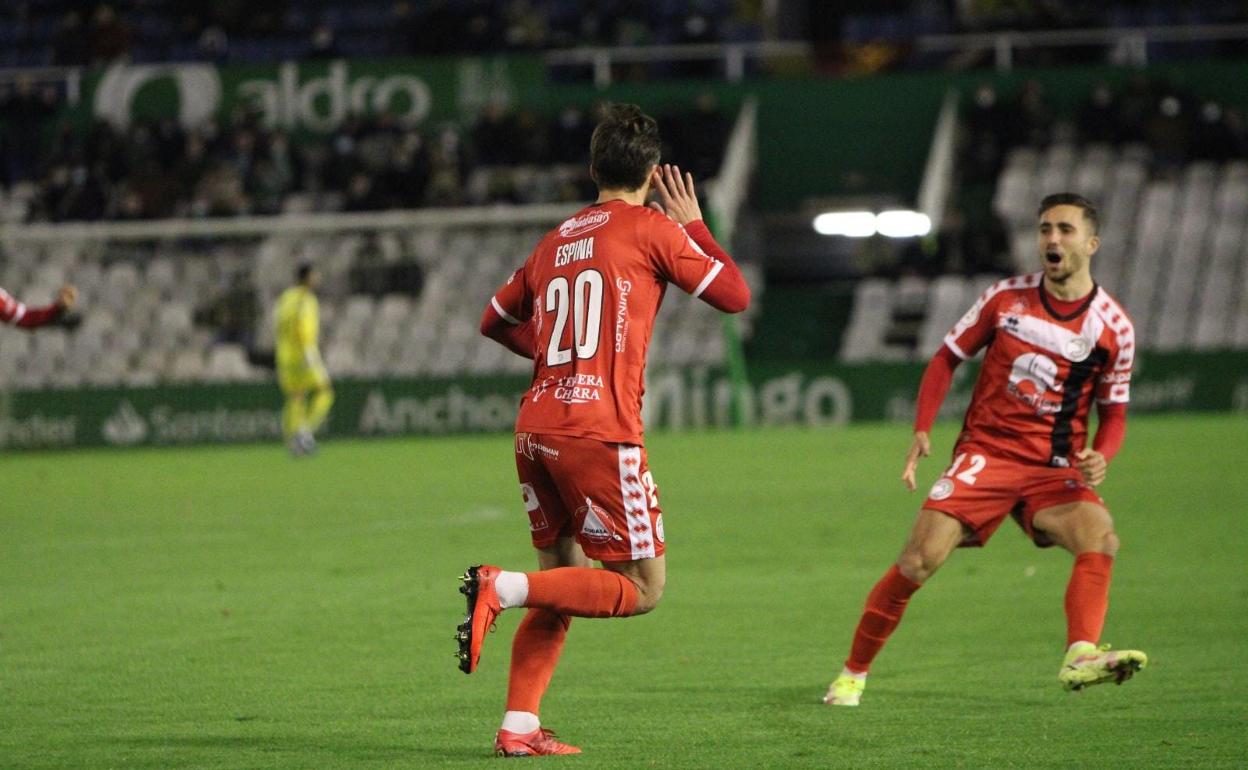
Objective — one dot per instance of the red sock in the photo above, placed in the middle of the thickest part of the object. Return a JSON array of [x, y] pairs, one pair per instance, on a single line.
[[1087, 597], [534, 655], [885, 604], [582, 592]]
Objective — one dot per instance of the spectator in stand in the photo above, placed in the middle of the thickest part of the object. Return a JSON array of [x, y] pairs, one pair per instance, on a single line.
[[703, 132], [109, 38], [1097, 119], [213, 44], [1135, 105], [494, 136], [69, 44], [1212, 138], [323, 43], [989, 131], [73, 193], [570, 136], [25, 111], [1167, 134], [1035, 116]]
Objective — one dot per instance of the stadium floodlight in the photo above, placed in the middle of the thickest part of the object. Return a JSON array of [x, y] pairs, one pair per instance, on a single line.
[[853, 224], [903, 224]]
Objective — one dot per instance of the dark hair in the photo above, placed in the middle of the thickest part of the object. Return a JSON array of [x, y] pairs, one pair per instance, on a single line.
[[303, 271], [1072, 199], [624, 147]]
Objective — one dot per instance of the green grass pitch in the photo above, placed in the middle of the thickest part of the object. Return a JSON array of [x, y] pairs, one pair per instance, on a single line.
[[232, 608]]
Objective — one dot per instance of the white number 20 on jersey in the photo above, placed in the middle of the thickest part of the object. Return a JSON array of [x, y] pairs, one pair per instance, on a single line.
[[584, 298]]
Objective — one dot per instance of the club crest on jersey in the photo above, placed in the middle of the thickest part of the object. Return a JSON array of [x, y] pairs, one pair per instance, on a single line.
[[590, 220], [1033, 377], [596, 526], [1077, 349], [942, 489]]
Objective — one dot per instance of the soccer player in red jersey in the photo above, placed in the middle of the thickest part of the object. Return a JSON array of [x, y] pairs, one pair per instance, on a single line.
[[18, 314], [582, 308], [1055, 342]]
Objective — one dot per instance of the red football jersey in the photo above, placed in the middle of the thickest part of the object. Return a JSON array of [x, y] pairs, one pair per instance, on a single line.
[[592, 288], [1042, 369]]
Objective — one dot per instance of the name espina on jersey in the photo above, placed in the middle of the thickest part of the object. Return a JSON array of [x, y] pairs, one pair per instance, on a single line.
[[576, 251]]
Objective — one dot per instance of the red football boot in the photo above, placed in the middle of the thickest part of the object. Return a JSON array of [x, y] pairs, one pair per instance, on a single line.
[[483, 608], [539, 742]]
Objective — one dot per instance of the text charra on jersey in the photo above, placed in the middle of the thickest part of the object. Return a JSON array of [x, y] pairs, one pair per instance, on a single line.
[[572, 389]]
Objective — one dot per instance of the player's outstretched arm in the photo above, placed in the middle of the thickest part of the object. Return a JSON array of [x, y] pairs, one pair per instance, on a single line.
[[727, 291], [14, 312]]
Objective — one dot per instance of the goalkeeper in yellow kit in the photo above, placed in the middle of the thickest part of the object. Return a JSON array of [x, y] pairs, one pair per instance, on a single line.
[[300, 371]]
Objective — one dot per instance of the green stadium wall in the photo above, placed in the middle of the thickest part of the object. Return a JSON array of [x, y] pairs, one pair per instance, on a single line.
[[804, 394]]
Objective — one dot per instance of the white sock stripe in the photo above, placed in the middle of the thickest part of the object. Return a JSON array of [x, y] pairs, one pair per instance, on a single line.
[[633, 497]]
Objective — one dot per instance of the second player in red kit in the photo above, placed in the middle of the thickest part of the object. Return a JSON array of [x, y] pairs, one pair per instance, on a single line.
[[582, 308], [1055, 343]]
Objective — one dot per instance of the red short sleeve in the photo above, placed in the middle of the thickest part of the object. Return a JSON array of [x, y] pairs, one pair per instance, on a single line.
[[513, 301], [975, 329]]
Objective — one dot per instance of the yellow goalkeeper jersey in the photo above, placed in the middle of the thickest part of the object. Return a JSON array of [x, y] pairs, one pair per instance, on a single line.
[[298, 324]]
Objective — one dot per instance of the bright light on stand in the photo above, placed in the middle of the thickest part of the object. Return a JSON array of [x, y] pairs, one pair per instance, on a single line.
[[903, 224], [853, 224], [864, 224]]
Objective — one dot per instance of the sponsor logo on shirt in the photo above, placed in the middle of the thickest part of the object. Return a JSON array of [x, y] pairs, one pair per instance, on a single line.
[[1033, 377], [573, 389], [590, 220], [621, 314]]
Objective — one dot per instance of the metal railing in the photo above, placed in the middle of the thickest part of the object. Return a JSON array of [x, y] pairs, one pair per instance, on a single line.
[[1131, 42], [733, 56]]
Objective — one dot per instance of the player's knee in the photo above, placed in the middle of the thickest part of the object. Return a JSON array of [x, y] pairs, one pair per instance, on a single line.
[[649, 592], [918, 564], [1109, 543]]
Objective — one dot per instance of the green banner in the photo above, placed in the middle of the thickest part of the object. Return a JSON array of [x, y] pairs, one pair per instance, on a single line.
[[317, 96], [810, 394]]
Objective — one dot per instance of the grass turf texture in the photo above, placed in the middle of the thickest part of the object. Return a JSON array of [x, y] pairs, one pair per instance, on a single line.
[[230, 607]]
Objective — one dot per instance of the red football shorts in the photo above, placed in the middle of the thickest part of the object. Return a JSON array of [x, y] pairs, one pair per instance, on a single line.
[[980, 490], [598, 492]]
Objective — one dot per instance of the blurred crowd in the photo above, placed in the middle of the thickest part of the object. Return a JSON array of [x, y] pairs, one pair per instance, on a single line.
[[1176, 126], [72, 33], [158, 169]]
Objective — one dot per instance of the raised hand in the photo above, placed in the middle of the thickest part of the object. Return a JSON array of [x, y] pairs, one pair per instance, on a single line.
[[677, 198]]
